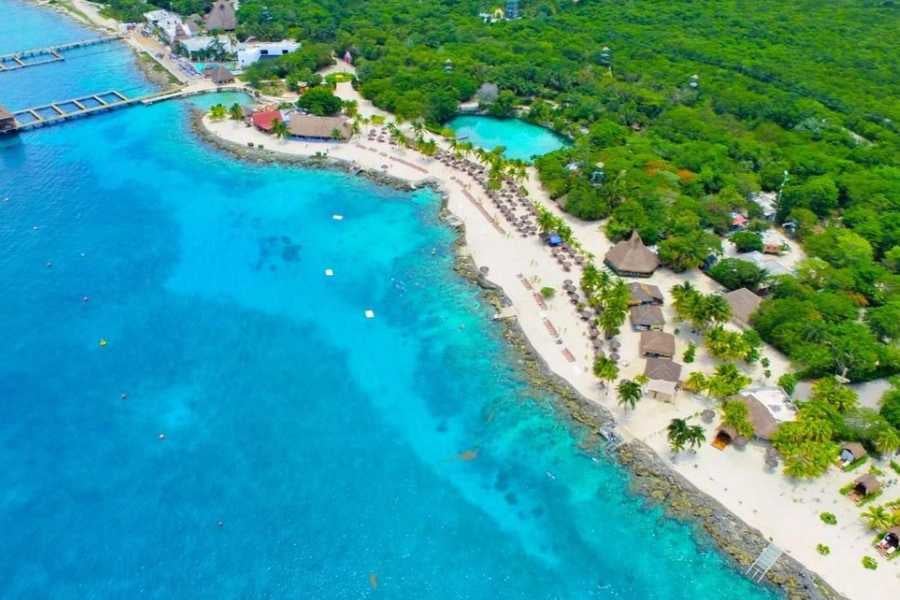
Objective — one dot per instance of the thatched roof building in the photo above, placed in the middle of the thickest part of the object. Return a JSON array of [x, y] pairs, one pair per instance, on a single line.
[[219, 75], [657, 344], [662, 369], [320, 128], [866, 485], [632, 258], [644, 293], [764, 424], [646, 317], [852, 451], [743, 304], [220, 17]]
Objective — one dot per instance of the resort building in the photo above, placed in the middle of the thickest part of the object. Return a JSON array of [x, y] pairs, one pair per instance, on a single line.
[[647, 317], [248, 54], [7, 121], [320, 128], [644, 293], [220, 17], [631, 258], [657, 344], [265, 120], [767, 408], [207, 45], [743, 304]]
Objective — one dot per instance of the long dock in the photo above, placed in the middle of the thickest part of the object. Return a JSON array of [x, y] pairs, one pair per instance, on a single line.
[[67, 110], [49, 54]]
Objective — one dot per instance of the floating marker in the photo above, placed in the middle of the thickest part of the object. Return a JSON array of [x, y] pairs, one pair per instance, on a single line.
[[337, 217], [102, 343], [370, 314], [329, 273], [162, 436]]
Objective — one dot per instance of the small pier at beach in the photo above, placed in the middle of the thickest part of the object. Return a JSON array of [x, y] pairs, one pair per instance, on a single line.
[[36, 57]]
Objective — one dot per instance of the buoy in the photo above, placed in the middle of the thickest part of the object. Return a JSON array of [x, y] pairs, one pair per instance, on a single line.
[[49, 264], [337, 217], [124, 396], [370, 314], [329, 273], [220, 524], [85, 299], [102, 343], [162, 436]]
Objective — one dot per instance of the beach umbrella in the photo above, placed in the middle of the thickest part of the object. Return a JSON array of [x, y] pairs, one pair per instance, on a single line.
[[708, 415], [614, 356], [615, 344]]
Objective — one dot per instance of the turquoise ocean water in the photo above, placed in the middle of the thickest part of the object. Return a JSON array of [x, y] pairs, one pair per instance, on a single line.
[[520, 139], [308, 452]]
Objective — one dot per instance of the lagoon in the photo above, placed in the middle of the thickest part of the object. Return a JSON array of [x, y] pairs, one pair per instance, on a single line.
[[246, 432], [521, 140]]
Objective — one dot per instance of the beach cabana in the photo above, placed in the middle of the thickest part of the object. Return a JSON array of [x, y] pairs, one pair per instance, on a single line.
[[663, 369], [743, 304], [725, 436], [851, 452], [644, 293], [863, 487], [661, 389], [647, 317], [890, 542], [219, 75], [657, 344], [265, 120], [631, 258], [312, 127]]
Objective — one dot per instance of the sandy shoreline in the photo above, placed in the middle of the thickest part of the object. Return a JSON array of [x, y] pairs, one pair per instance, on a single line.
[[741, 506]]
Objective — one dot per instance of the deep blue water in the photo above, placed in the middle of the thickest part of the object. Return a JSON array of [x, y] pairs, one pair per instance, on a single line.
[[308, 452], [520, 139]]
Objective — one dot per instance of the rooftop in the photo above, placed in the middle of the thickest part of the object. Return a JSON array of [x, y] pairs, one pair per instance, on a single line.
[[632, 256]]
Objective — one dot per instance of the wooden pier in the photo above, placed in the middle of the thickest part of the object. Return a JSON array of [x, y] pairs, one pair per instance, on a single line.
[[67, 110], [47, 55]]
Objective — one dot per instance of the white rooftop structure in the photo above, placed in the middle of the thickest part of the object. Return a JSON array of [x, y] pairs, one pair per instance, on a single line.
[[766, 201], [773, 266], [250, 53], [775, 400], [202, 42], [169, 24]]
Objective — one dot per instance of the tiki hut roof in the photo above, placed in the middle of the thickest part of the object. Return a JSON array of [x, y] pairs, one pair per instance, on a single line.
[[743, 303], [764, 424], [869, 484], [644, 293], [647, 315], [663, 368], [312, 126], [632, 256], [220, 16], [854, 448], [219, 75], [657, 343]]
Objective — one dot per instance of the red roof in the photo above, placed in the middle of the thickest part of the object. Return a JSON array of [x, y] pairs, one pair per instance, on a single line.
[[265, 119]]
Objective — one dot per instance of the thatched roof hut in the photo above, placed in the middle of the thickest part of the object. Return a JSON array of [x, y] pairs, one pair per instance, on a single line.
[[657, 344], [322, 128], [632, 258], [852, 451], [644, 293], [646, 317], [219, 75], [743, 304], [866, 485], [663, 368], [220, 17]]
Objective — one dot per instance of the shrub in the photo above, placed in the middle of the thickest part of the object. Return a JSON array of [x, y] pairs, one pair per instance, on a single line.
[[788, 382], [747, 241], [690, 353], [828, 518], [548, 292], [869, 563], [823, 549]]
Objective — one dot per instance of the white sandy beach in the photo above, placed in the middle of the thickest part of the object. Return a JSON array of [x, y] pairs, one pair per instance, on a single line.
[[785, 511]]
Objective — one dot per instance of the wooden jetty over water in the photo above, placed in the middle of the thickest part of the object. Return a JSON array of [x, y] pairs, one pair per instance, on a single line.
[[35, 57]]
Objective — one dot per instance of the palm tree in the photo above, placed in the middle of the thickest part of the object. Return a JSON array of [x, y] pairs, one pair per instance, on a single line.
[[695, 436], [717, 308], [630, 393], [677, 434], [236, 112], [614, 301], [280, 129], [878, 518], [217, 112], [887, 441], [683, 297], [696, 382], [546, 220], [606, 370]]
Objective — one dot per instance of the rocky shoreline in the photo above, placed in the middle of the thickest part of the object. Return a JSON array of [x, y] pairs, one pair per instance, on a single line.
[[651, 477]]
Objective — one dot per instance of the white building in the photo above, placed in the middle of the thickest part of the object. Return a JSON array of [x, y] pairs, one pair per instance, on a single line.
[[766, 201], [201, 43], [253, 52], [169, 25]]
